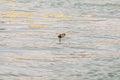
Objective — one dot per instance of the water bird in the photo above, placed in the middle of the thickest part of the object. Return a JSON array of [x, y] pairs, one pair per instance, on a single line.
[[61, 36]]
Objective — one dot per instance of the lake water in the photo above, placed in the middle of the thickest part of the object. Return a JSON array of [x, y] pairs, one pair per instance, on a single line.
[[29, 47]]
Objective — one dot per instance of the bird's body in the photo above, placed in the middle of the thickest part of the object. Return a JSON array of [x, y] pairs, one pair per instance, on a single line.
[[61, 36]]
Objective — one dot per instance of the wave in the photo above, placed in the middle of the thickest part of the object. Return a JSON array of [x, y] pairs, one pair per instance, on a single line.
[[96, 8]]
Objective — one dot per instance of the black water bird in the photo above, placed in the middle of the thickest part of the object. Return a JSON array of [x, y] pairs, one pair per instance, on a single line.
[[61, 36]]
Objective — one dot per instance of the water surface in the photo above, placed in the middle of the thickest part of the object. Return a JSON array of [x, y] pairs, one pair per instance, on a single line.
[[29, 47]]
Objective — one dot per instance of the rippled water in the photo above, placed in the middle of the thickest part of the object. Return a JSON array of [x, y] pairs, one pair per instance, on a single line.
[[29, 47]]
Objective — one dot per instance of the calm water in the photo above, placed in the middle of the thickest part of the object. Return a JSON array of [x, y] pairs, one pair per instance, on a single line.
[[29, 47]]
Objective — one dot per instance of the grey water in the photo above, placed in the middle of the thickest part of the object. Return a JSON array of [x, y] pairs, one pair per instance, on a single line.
[[29, 47]]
